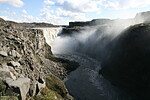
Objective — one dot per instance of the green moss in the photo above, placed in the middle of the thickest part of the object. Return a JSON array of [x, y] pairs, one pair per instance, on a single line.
[[8, 98], [5, 59], [2, 88], [47, 94], [38, 59], [12, 92], [7, 92], [55, 84]]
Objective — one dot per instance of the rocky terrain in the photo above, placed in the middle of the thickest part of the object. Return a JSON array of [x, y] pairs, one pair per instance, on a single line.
[[28, 70]]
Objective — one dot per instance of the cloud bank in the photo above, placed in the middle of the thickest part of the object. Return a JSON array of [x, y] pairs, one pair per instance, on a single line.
[[15, 3]]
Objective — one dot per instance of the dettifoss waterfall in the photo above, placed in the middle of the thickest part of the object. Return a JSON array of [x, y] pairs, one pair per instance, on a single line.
[[85, 83]]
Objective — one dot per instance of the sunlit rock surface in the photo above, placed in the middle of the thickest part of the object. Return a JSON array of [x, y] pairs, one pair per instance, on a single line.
[[25, 61]]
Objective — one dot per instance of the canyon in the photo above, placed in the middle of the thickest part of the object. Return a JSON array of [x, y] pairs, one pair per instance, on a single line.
[[101, 59]]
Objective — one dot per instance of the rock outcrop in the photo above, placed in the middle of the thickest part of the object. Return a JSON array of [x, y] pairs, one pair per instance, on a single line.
[[90, 23], [128, 65], [25, 62]]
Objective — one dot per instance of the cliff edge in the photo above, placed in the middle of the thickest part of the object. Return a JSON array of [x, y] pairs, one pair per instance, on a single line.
[[28, 70]]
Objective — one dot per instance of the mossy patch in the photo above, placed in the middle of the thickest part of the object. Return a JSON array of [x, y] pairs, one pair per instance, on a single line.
[[8, 98], [47, 94], [2, 88], [55, 84], [38, 59]]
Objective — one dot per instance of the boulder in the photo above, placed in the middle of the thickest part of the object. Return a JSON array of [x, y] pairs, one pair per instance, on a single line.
[[3, 53], [7, 72], [22, 83], [14, 64], [128, 65]]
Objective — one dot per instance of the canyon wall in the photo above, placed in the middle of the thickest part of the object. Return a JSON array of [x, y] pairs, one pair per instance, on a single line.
[[28, 69]]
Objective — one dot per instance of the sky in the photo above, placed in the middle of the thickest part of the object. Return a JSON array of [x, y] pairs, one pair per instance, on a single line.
[[61, 12]]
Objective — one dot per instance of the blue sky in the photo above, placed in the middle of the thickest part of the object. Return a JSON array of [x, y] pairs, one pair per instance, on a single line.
[[63, 11]]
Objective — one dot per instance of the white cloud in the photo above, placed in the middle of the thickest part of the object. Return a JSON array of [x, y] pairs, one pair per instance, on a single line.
[[49, 16], [70, 15], [126, 4], [29, 18], [10, 19], [8, 12], [15, 3], [69, 10], [47, 10], [23, 18], [79, 6], [49, 2], [4, 17], [24, 11]]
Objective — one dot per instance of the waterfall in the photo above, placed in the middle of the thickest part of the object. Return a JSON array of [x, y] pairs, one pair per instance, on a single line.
[[50, 34]]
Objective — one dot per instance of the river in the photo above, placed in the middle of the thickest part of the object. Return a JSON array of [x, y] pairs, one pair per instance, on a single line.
[[85, 83]]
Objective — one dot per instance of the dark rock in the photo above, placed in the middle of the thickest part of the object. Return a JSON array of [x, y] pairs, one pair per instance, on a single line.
[[128, 64], [90, 23]]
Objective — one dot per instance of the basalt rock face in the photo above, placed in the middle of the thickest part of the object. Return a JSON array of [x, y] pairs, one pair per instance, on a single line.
[[128, 64], [71, 30], [77, 27], [25, 63], [90, 23]]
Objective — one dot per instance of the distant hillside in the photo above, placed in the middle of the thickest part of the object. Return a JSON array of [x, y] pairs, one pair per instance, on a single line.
[[27, 25]]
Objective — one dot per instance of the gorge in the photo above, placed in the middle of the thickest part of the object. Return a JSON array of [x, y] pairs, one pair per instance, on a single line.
[[100, 59], [99, 42]]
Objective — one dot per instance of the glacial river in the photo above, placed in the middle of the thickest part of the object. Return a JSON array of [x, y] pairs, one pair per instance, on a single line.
[[85, 83]]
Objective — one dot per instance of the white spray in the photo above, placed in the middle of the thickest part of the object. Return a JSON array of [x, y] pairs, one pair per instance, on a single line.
[[92, 40]]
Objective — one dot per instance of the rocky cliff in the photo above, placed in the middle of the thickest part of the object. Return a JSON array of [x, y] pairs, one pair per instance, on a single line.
[[90, 23], [28, 70], [127, 66]]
